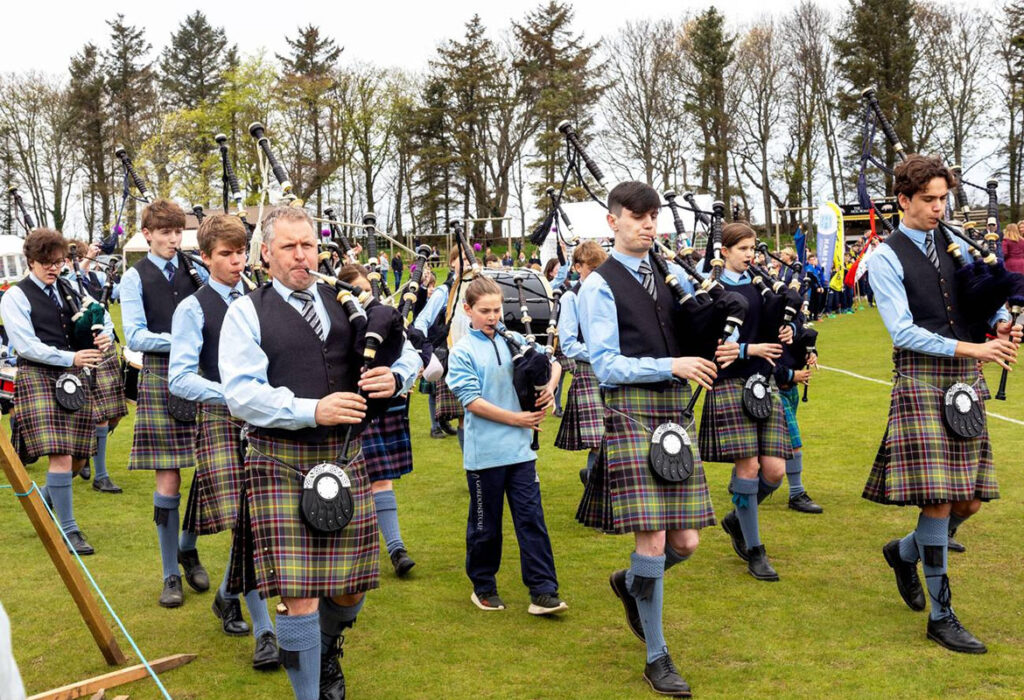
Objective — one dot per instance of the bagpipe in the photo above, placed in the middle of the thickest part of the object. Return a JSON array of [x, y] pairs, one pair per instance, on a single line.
[[19, 203], [190, 260], [531, 372], [378, 283], [231, 192]]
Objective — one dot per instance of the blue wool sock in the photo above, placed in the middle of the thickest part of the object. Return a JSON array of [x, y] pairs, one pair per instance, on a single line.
[[744, 495], [258, 613], [300, 635], [387, 519], [794, 469], [187, 541], [166, 508], [99, 460], [908, 549], [432, 407], [58, 485], [672, 557], [462, 437], [335, 619], [645, 581], [932, 537]]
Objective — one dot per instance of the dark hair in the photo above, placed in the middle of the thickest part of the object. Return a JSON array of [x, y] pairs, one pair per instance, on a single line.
[[913, 175], [45, 245], [221, 228], [735, 232], [481, 287], [638, 197], [162, 213]]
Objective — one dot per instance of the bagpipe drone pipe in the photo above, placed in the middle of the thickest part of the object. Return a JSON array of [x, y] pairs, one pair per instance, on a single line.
[[231, 192], [531, 372]]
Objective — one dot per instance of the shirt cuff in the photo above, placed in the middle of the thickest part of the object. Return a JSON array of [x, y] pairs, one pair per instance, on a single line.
[[68, 358], [665, 366], [305, 412], [948, 347]]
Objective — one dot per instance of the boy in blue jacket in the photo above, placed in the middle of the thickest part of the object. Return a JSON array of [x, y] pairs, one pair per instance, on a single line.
[[498, 459]]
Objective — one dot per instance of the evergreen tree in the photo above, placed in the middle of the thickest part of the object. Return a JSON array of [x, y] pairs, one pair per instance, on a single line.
[[192, 65], [91, 127]]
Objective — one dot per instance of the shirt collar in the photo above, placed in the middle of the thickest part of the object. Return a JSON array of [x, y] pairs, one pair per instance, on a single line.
[[222, 289], [286, 293], [734, 277], [914, 234], [632, 263], [161, 262]]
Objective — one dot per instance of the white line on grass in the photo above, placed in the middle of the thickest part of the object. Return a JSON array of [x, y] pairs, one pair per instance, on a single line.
[[879, 381]]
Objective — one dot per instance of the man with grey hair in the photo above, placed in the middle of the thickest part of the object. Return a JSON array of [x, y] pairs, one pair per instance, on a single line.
[[289, 367]]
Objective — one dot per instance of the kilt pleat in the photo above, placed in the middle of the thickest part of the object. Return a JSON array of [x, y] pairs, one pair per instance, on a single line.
[[790, 404], [582, 423], [160, 442], [727, 433], [446, 406], [918, 461], [387, 447], [217, 485], [622, 495], [39, 426], [288, 559], [567, 364], [108, 392]]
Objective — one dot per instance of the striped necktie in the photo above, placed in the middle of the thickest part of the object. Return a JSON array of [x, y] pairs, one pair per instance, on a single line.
[[309, 312], [52, 293], [929, 249], [234, 295], [169, 271], [647, 279]]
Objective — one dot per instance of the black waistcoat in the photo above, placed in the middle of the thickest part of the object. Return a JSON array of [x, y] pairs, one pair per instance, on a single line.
[[931, 294], [299, 360], [647, 328], [52, 326], [159, 297], [742, 369], [214, 307]]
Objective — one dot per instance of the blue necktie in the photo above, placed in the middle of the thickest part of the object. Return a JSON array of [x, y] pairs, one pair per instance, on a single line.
[[169, 271], [50, 292]]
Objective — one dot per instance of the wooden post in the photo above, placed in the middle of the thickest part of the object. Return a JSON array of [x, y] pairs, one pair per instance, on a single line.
[[53, 542], [113, 679]]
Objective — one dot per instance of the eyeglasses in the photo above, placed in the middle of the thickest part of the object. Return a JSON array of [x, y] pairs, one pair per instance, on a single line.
[[54, 263]]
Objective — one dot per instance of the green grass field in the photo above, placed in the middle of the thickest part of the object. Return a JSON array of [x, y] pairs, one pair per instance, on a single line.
[[834, 626]]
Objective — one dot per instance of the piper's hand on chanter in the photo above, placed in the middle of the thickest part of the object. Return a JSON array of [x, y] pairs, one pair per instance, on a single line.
[[1005, 332], [1002, 352], [801, 376], [786, 334], [696, 368], [87, 358], [768, 351], [812, 360], [378, 383], [339, 408], [727, 353], [528, 419], [103, 342], [545, 399]]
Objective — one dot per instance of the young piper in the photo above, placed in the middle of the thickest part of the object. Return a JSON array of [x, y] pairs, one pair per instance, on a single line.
[[629, 318], [387, 449], [429, 321], [194, 376], [920, 462], [37, 315], [583, 421], [497, 457], [758, 449], [150, 292]]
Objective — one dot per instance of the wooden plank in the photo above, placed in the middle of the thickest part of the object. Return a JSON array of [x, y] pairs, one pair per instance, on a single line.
[[53, 542], [113, 679]]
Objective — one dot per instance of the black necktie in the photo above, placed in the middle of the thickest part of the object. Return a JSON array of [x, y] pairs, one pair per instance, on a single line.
[[52, 293], [647, 279], [929, 249], [309, 312]]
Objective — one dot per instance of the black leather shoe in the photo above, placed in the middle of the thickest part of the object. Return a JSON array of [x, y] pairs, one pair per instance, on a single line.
[[172, 596], [86, 471], [584, 476], [948, 632], [446, 426], [907, 581], [195, 573], [802, 503], [438, 434], [759, 566], [332, 680], [402, 562], [952, 545], [731, 525], [618, 583], [265, 657], [105, 485], [229, 612], [663, 678], [78, 544]]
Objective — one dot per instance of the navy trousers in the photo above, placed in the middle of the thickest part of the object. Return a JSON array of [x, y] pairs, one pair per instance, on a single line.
[[487, 491]]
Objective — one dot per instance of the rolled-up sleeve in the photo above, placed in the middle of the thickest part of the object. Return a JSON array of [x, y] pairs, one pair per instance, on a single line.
[[462, 377]]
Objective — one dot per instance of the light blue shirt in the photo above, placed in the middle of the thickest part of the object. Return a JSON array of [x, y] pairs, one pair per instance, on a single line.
[[569, 328], [17, 315], [481, 368], [887, 282], [186, 345], [600, 323], [243, 368], [133, 314], [436, 304]]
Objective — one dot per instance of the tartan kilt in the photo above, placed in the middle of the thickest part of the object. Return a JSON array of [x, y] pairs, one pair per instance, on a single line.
[[567, 364], [727, 433], [622, 494], [583, 419], [446, 406], [39, 426], [160, 442], [287, 559], [790, 403], [919, 462], [387, 447], [217, 484], [108, 394]]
